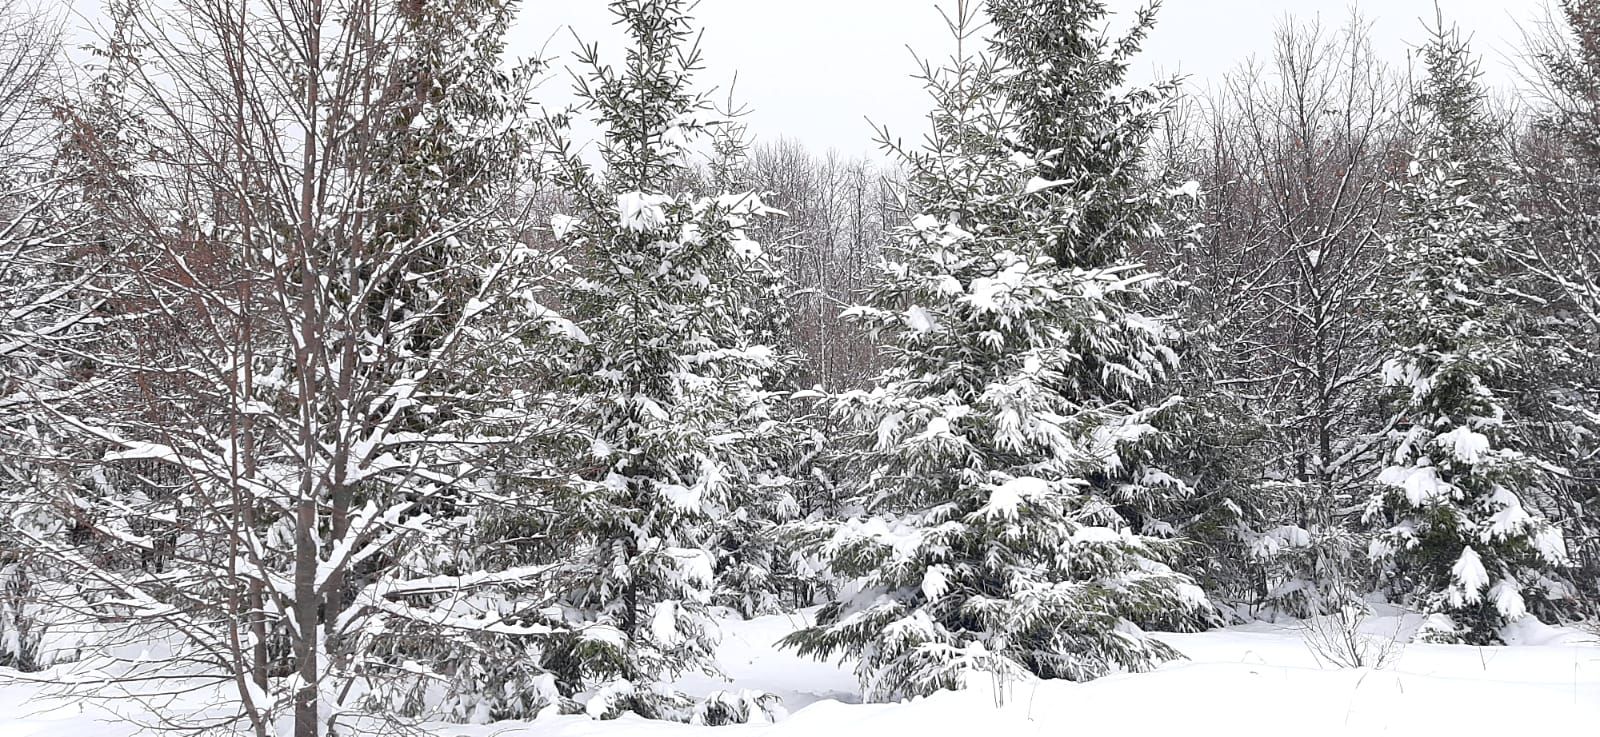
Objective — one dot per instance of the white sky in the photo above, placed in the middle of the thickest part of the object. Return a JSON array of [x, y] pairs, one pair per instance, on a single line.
[[820, 70], [817, 70]]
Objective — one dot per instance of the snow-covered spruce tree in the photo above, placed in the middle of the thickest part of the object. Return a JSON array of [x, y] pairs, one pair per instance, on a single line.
[[1077, 120], [754, 567], [665, 410], [1461, 541], [1088, 131], [982, 544], [449, 172]]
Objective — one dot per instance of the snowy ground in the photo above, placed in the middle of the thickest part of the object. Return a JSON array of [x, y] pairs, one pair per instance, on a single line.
[[1255, 679]]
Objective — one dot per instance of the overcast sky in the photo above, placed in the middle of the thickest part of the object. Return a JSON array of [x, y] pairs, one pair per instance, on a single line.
[[817, 70]]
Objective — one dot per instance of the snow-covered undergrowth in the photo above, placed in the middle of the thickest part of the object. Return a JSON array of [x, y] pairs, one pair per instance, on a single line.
[[1261, 678]]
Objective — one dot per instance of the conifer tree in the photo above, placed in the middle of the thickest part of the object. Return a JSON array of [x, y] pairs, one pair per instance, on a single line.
[[666, 412], [983, 542], [1080, 120], [753, 564], [1461, 539], [1088, 132], [448, 172]]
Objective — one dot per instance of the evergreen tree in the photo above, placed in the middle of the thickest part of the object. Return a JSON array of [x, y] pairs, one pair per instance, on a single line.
[[1462, 540], [1088, 131], [984, 541], [1077, 117], [447, 169], [754, 565], [666, 412]]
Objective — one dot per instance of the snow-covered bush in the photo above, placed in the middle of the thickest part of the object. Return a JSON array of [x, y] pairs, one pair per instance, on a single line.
[[737, 707]]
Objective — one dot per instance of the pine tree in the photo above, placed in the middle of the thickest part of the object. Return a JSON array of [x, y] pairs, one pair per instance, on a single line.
[[1462, 540], [985, 542], [667, 415]]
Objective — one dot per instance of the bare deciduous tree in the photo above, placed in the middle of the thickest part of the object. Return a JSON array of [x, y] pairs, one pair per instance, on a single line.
[[286, 451], [1296, 158]]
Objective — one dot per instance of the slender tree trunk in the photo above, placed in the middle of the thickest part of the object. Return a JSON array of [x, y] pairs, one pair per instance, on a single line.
[[307, 648]]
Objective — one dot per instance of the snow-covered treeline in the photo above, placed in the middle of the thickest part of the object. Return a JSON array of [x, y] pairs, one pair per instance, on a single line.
[[347, 384]]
